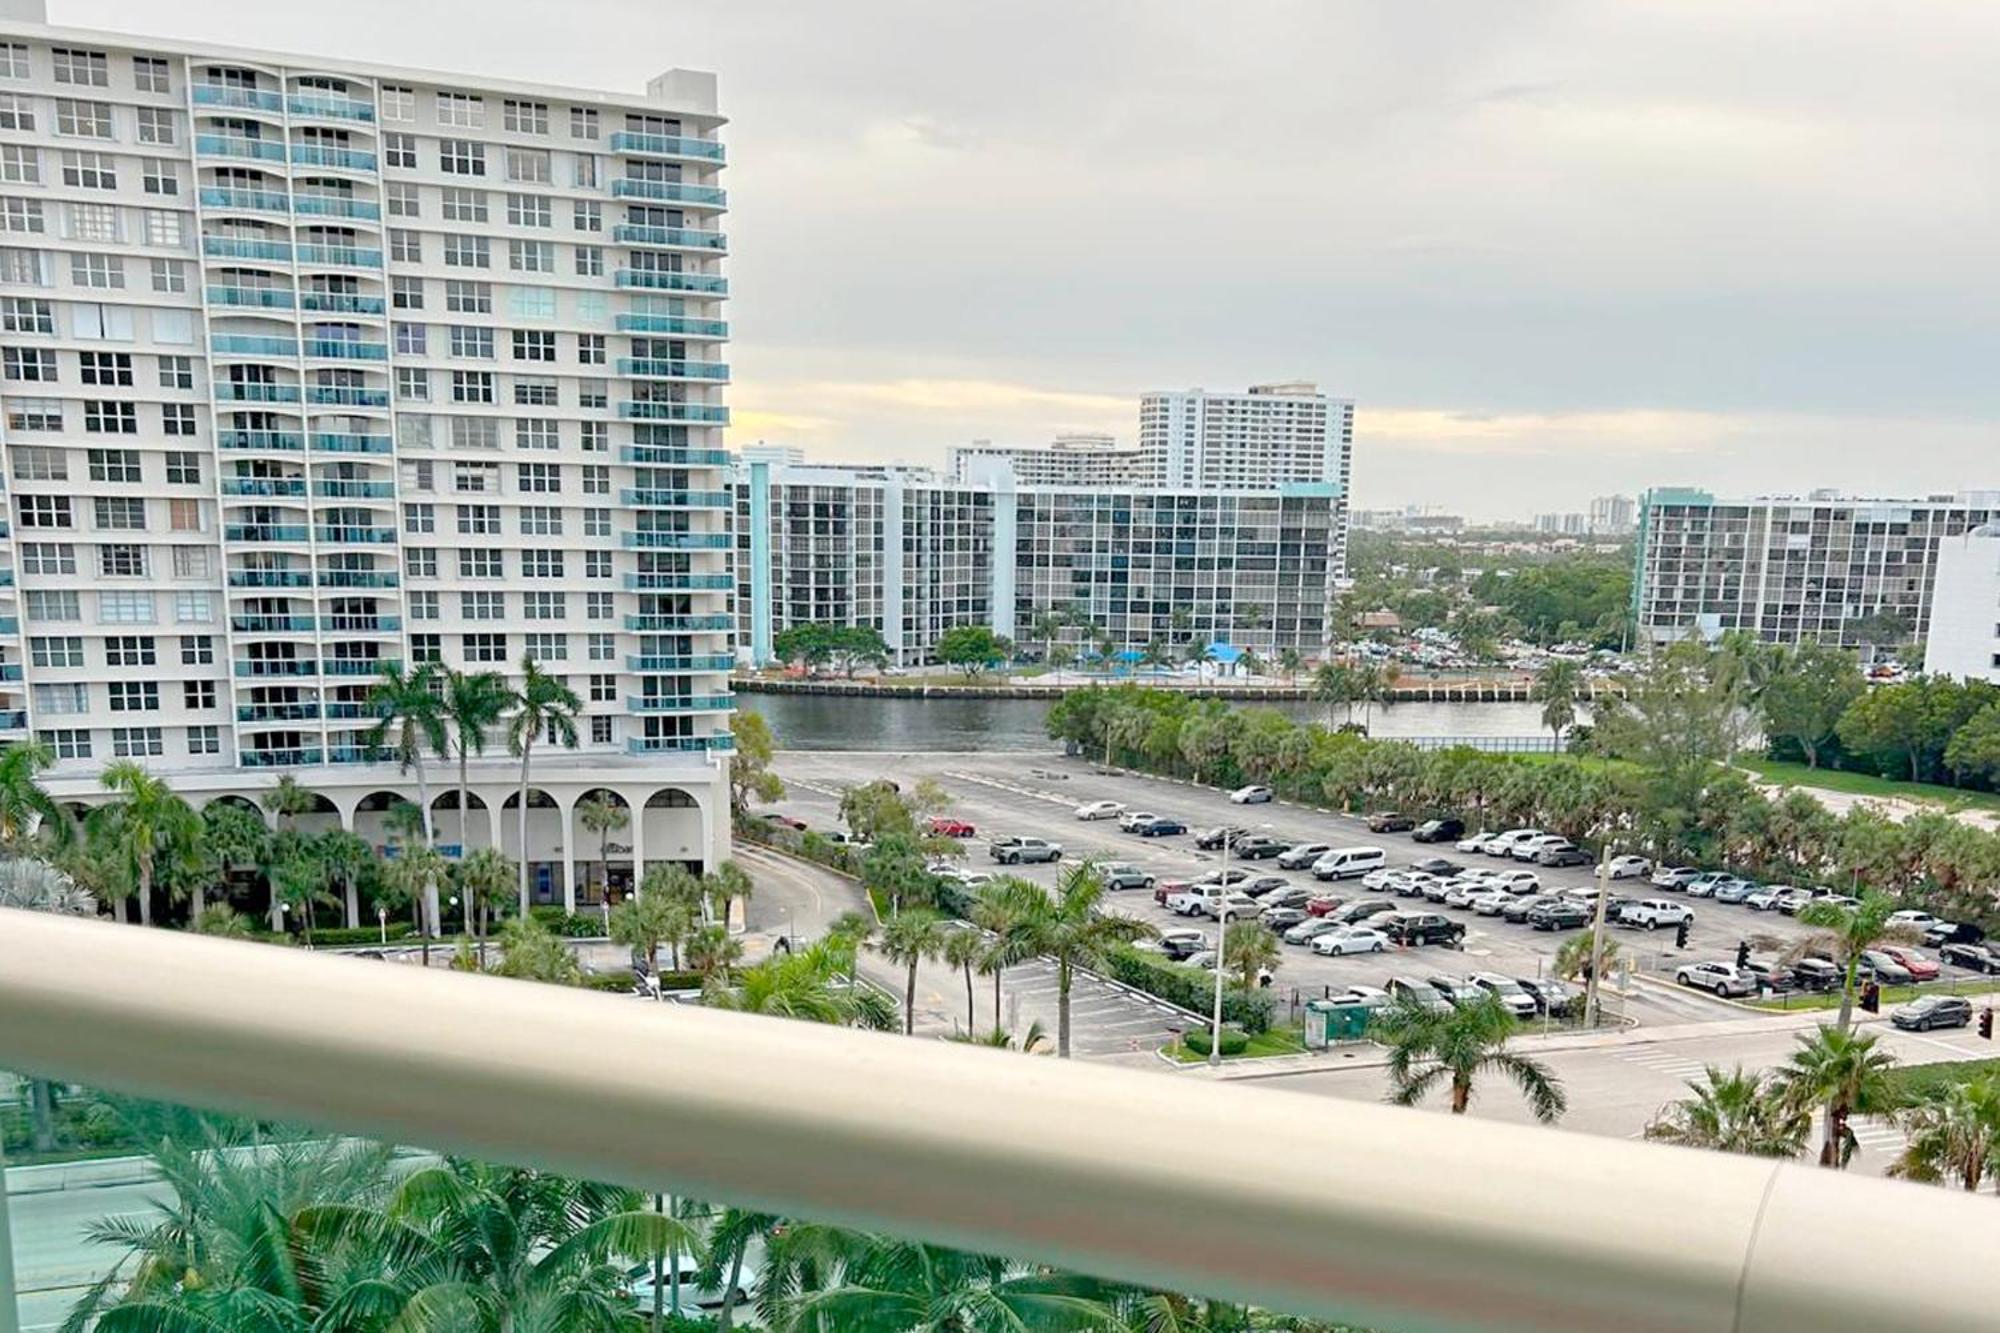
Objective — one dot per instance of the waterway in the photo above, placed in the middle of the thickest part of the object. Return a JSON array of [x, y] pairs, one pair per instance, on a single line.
[[829, 722]]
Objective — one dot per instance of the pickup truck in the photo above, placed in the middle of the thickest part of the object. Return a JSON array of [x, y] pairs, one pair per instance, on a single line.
[[1652, 913], [1195, 899], [1015, 851]]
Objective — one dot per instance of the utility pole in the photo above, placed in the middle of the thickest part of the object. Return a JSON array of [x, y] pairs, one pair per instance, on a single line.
[[1221, 938], [1590, 999]]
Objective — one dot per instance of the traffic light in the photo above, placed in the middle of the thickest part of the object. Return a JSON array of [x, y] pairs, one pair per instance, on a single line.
[[1871, 998], [1986, 1023], [1681, 934]]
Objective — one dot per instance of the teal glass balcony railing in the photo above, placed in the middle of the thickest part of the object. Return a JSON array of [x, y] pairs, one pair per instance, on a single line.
[[13, 719], [720, 741], [263, 486], [340, 711], [343, 302], [677, 624], [335, 206], [269, 578], [354, 534], [246, 99], [672, 370], [673, 192], [10, 672], [695, 413], [233, 392], [359, 666], [698, 703], [250, 201], [340, 256], [237, 145], [287, 666], [299, 712], [688, 662], [343, 349], [357, 754], [10, 624], [345, 624], [710, 284], [679, 325], [6, 578], [680, 582], [293, 758], [329, 108], [679, 541], [654, 499], [666, 145], [340, 395], [246, 344], [671, 238], [237, 247], [358, 578], [271, 624], [259, 439], [265, 532], [341, 159], [664, 455], [264, 298], [345, 443], [341, 488]]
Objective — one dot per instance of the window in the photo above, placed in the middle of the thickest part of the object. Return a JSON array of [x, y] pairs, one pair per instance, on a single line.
[[89, 171], [398, 103], [529, 210], [468, 298], [603, 688], [56, 653], [193, 608], [479, 520], [586, 171], [535, 433], [596, 479], [535, 391], [197, 650], [160, 177], [177, 418], [208, 739], [136, 742], [149, 75], [422, 605], [529, 165], [464, 205], [156, 125], [461, 157], [176, 372], [119, 513], [590, 349], [405, 247], [163, 230], [414, 384], [602, 647], [475, 433], [472, 386], [536, 303], [48, 558], [20, 164], [197, 694], [534, 345], [38, 463], [587, 215], [467, 341], [525, 117], [44, 511], [539, 564], [119, 465], [419, 518], [467, 252], [547, 647], [121, 561], [52, 606], [426, 648], [169, 275], [539, 478], [130, 650], [479, 564], [28, 363], [482, 606], [73, 697], [89, 68], [531, 256], [406, 293], [93, 222], [600, 730], [403, 200], [67, 743], [411, 339], [192, 562], [24, 266], [597, 522], [485, 647], [597, 564], [22, 314], [103, 271], [34, 414], [86, 120], [184, 469], [399, 150], [461, 110], [543, 606], [111, 418], [593, 393], [597, 606], [583, 122], [184, 516], [125, 608], [590, 261]]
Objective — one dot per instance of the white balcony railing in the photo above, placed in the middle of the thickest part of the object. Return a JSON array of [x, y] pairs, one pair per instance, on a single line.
[[1310, 1205]]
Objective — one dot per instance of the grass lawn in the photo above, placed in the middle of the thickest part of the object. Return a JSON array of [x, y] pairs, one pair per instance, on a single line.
[[1891, 995], [1867, 784], [1271, 1041], [1918, 1081]]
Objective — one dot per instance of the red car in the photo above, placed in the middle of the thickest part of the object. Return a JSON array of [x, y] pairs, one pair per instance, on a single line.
[[1324, 904], [1921, 968], [787, 821], [952, 828]]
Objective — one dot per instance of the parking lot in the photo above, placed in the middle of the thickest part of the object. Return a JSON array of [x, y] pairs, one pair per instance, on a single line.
[[1037, 796]]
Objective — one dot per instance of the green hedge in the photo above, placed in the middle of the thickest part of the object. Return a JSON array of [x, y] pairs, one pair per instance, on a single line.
[[1233, 1042], [1191, 988], [334, 937], [620, 982], [573, 925]]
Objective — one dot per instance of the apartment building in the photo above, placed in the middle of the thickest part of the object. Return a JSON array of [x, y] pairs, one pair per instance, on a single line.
[[1612, 515], [912, 555], [1076, 459], [1962, 636], [313, 368], [1828, 568], [1271, 435]]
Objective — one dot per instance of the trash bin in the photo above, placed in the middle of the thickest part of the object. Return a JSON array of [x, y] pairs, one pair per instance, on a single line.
[[1353, 1022]]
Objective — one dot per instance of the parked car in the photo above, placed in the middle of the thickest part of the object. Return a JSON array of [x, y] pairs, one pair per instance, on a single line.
[[1282, 919], [1310, 929], [1476, 843], [1932, 1011], [1517, 881], [1503, 843], [1771, 976], [1628, 867], [1348, 862], [1229, 878], [1421, 928], [1652, 913], [1419, 991], [1302, 855], [1123, 875], [1914, 920], [1456, 992], [1509, 992], [1702, 885], [1193, 900], [1355, 913], [1522, 904], [1885, 968], [1164, 826], [1920, 968], [1527, 849], [946, 827], [1736, 891], [1792, 900], [1436, 865], [1768, 898], [1100, 810], [1324, 904], [1011, 851], [1179, 942], [1673, 877], [1953, 932], [1235, 907], [1131, 819], [1367, 997], [1721, 978], [1560, 914], [1214, 839], [1552, 997], [1259, 885], [1494, 903], [1258, 847], [1410, 883], [1349, 939], [1285, 897], [1252, 795], [1390, 821], [1438, 830], [1972, 957], [1563, 853], [1817, 974]]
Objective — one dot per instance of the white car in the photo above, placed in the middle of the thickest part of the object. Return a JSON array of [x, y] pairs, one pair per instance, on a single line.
[[1251, 795], [1476, 843], [1368, 997], [1101, 810], [1235, 906], [1379, 879], [1629, 867], [1517, 881], [1503, 844], [1491, 904], [1527, 849], [1652, 913], [1311, 929], [1914, 920], [1350, 939], [1769, 898], [1133, 819]]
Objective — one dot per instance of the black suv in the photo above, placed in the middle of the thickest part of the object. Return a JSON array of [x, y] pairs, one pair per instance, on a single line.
[[1564, 915], [1421, 928], [1439, 830], [1212, 838], [1258, 846]]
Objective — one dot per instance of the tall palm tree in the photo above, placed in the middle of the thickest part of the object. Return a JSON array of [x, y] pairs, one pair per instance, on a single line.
[[603, 814], [1556, 689], [483, 876], [410, 722], [1851, 932], [238, 838], [24, 805], [346, 856], [1574, 961], [287, 799], [643, 922], [1954, 1135], [999, 910], [148, 822], [1291, 662], [1843, 1074], [713, 951], [543, 705], [413, 876], [728, 883], [1334, 685], [965, 950], [1069, 929], [472, 706], [1740, 1112], [1455, 1046], [908, 939]]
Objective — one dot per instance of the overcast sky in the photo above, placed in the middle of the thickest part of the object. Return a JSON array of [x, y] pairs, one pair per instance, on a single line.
[[1550, 249]]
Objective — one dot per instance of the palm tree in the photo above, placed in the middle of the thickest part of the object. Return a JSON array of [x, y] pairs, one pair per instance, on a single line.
[[1291, 662], [1954, 1135], [1334, 686], [24, 805], [810, 984], [412, 877], [728, 883], [1556, 688], [908, 939], [1069, 929], [36, 886], [1850, 932], [472, 706], [965, 950], [713, 951], [999, 910], [643, 922], [346, 856], [1035, 1041], [1249, 949], [148, 822], [410, 720], [1843, 1074], [543, 706], [603, 814], [1739, 1112], [483, 877], [887, 1283], [1573, 957], [237, 837], [1455, 1046]]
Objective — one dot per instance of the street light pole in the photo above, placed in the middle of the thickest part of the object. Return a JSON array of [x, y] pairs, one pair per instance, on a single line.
[[1590, 1000], [1221, 937]]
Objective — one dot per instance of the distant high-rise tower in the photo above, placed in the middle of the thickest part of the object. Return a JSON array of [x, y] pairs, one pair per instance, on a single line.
[[1245, 441]]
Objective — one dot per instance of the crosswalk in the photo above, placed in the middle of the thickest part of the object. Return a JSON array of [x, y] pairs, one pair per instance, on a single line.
[[1662, 1061]]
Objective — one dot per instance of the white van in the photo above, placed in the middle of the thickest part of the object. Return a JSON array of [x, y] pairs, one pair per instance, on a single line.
[[1502, 844], [1349, 862]]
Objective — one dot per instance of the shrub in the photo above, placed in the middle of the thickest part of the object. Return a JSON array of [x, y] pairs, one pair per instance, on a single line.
[[571, 925], [1191, 988], [621, 982], [1233, 1042], [332, 937]]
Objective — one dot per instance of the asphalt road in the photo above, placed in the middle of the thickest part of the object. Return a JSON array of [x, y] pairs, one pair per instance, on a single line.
[[53, 1262]]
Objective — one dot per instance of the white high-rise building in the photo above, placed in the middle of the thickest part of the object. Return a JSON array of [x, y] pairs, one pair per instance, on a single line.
[[1076, 459], [313, 368], [1612, 515], [1962, 637], [1271, 435]]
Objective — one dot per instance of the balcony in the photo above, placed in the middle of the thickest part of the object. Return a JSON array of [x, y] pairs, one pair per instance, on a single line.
[[237, 247], [680, 582], [343, 303], [286, 666], [13, 719], [259, 439], [721, 743], [271, 624], [653, 499], [244, 344], [6, 578], [233, 392], [672, 370], [263, 298], [340, 395], [335, 206], [304, 754], [239, 145], [658, 703], [10, 624], [246, 201], [679, 541], [345, 443], [673, 192], [269, 578], [693, 413], [355, 534], [329, 108], [264, 532], [671, 238], [676, 325], [349, 624], [666, 145], [339, 710], [357, 754], [301, 712], [708, 284], [692, 662], [359, 666], [339, 256], [263, 486], [672, 456], [340, 159], [11, 672], [345, 349], [339, 488], [679, 624], [357, 578], [245, 99]]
